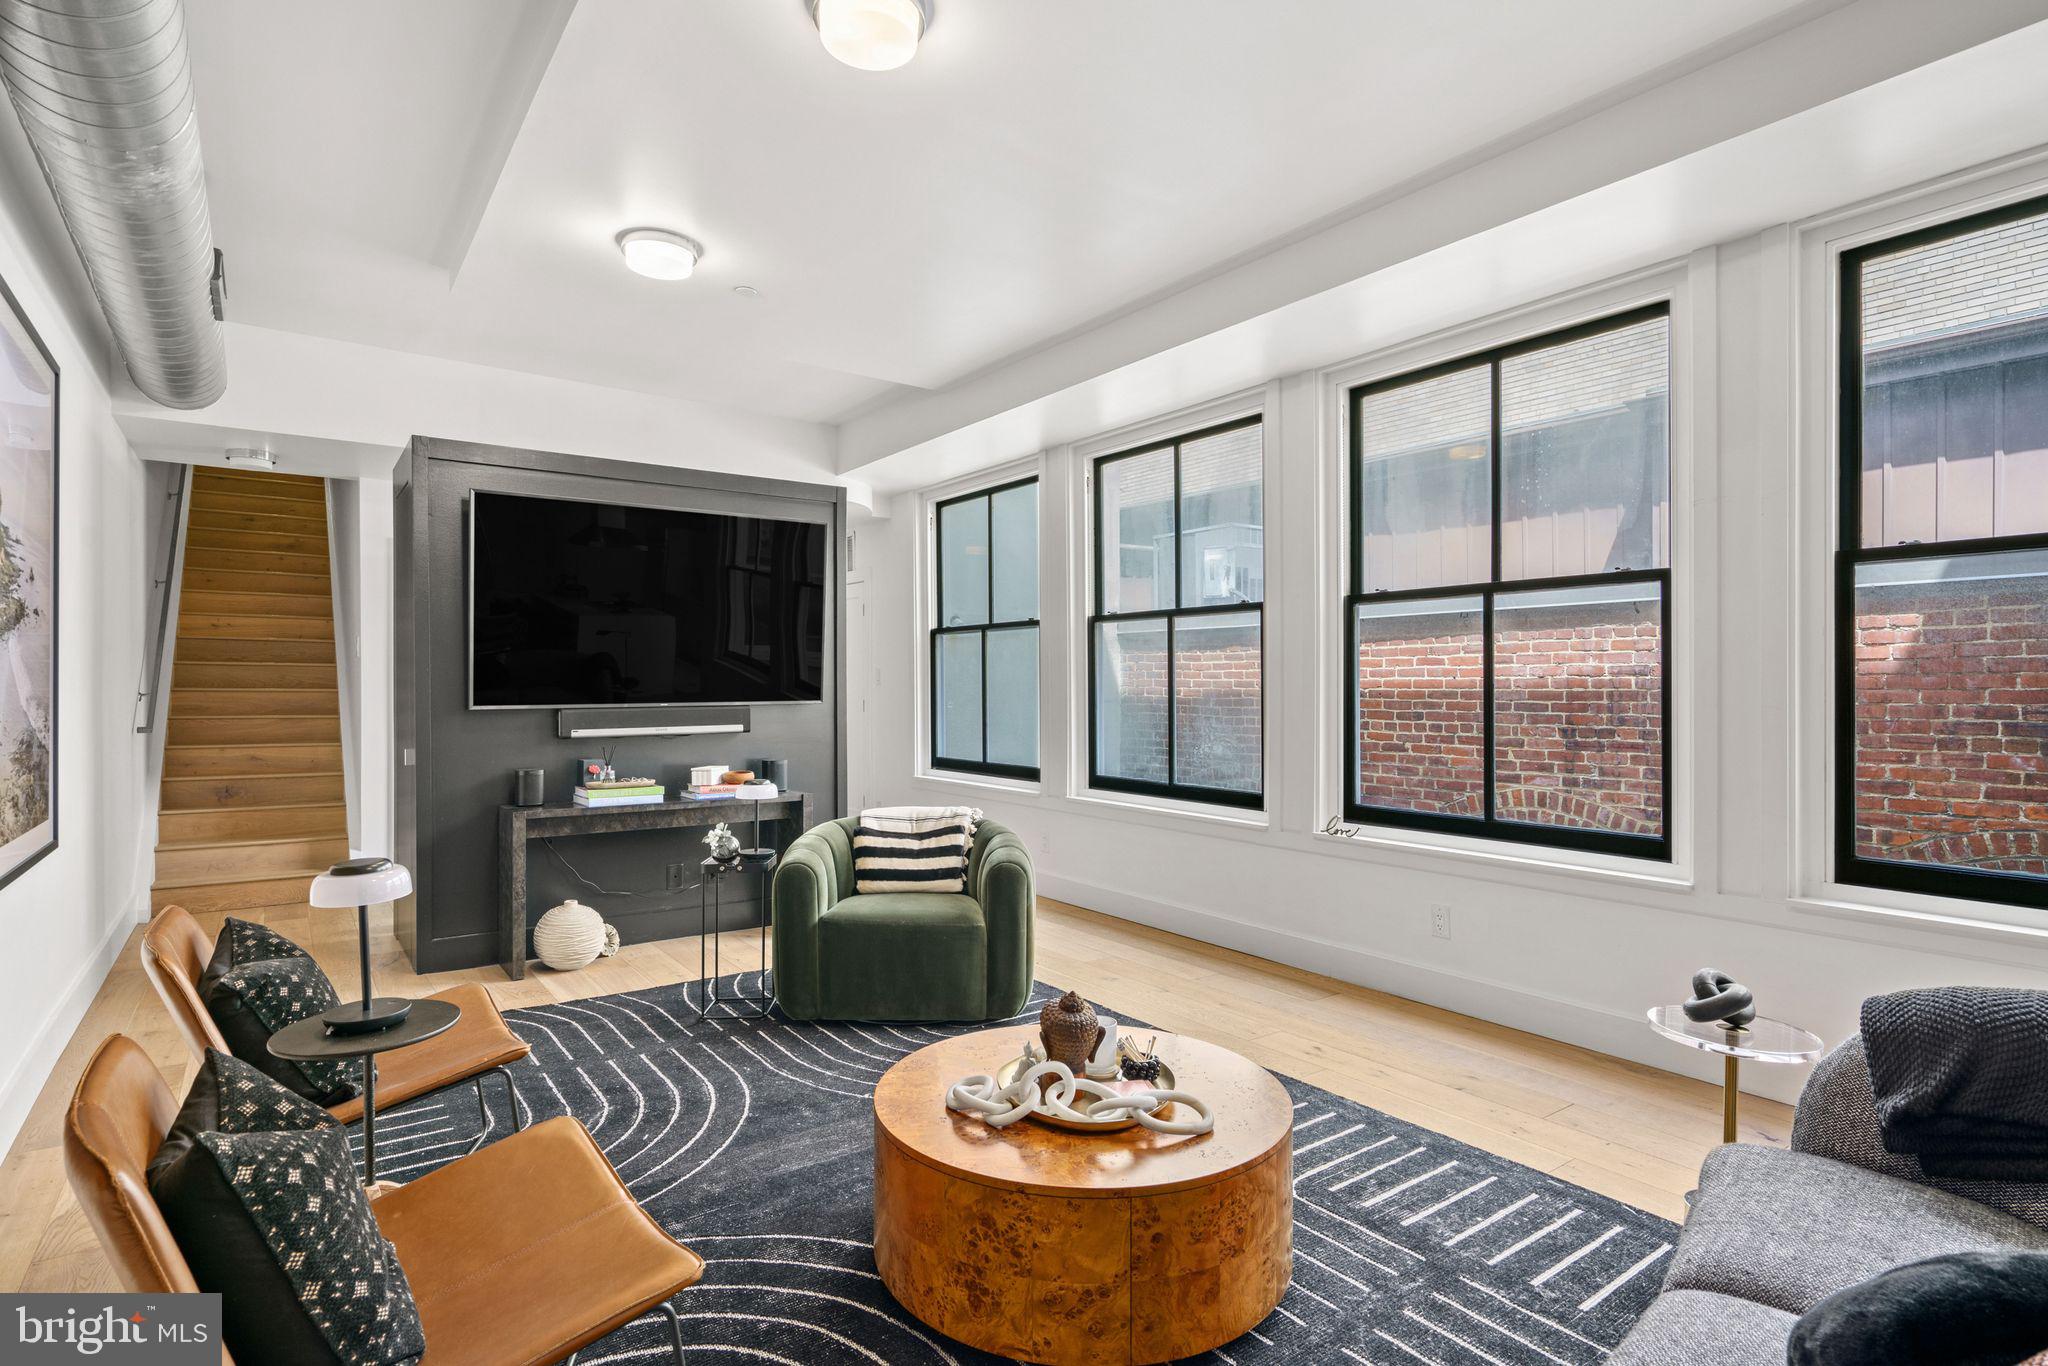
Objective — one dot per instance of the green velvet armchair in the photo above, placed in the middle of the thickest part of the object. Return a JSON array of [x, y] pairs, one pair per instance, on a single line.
[[902, 955]]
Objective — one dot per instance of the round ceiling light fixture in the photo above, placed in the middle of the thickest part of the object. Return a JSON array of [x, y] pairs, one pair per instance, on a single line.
[[660, 254], [872, 35]]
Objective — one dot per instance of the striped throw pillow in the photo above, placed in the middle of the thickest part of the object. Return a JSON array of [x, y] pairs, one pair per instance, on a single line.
[[910, 855]]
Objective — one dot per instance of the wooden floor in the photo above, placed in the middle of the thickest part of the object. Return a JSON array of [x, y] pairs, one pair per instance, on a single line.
[[1625, 1130]]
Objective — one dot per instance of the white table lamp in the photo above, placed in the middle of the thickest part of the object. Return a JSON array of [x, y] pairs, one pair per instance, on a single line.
[[758, 791], [362, 883]]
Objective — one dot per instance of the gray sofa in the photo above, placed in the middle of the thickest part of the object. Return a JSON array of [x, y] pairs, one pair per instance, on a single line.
[[1774, 1231]]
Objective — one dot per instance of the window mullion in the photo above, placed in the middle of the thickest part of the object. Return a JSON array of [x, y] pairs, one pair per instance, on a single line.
[[1487, 736], [1172, 679]]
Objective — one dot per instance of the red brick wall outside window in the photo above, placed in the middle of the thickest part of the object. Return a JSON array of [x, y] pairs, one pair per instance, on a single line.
[[1942, 658]]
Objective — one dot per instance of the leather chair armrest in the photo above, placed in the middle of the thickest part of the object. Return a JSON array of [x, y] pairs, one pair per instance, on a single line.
[[805, 887], [1006, 888]]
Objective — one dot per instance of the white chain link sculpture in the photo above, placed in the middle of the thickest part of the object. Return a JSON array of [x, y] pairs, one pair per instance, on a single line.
[[1000, 1106]]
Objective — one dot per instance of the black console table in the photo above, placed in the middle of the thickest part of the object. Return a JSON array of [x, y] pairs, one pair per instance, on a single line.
[[519, 824]]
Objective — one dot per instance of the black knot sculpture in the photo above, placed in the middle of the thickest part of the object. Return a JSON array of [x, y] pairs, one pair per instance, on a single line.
[[1719, 998]]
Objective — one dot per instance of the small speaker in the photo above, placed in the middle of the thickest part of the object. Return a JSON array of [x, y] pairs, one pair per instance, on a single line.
[[532, 787], [775, 771]]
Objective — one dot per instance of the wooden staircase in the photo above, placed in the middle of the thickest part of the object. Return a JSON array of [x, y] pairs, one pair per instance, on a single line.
[[252, 803]]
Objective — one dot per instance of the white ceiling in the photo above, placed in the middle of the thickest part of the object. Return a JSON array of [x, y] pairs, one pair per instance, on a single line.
[[445, 178]]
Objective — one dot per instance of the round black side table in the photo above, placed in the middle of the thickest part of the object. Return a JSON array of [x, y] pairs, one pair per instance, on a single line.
[[713, 873], [309, 1041]]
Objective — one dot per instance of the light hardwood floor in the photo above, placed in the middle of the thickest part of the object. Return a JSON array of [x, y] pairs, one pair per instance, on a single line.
[[1625, 1130]]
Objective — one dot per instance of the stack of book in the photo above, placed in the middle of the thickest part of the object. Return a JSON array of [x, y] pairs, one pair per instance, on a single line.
[[620, 792], [709, 792]]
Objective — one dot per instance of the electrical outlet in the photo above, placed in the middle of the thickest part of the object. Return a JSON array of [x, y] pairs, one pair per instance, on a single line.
[[1440, 921], [1044, 844], [675, 877]]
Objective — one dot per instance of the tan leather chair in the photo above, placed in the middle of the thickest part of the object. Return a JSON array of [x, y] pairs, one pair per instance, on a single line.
[[521, 1254], [117, 1120], [175, 951]]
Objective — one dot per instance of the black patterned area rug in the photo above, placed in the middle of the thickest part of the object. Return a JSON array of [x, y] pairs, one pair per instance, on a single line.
[[751, 1143]]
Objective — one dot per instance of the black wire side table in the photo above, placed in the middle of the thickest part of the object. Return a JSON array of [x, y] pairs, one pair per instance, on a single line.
[[712, 874]]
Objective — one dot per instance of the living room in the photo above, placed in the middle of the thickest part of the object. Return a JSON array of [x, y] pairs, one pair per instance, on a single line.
[[901, 681]]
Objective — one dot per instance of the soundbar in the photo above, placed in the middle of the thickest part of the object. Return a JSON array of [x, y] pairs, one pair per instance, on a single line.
[[603, 723]]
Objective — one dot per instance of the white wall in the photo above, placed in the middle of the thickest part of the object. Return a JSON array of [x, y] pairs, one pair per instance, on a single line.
[[344, 568], [63, 921], [359, 547], [1575, 953]]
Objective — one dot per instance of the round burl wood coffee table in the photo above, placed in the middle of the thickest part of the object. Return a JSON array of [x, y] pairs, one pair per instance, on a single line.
[[1048, 1246]]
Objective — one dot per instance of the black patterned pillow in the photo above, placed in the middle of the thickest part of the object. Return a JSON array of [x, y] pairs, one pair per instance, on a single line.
[[257, 983], [276, 1222], [249, 942]]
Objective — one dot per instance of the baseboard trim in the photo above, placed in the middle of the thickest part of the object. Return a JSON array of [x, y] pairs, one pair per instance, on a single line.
[[25, 1083], [1618, 1034]]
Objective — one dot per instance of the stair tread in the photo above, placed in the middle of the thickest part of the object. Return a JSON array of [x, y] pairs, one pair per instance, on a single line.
[[175, 691], [269, 806], [288, 875], [250, 777], [249, 841], [256, 744]]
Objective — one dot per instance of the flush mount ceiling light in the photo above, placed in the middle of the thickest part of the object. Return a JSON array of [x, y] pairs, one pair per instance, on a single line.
[[872, 35], [250, 457], [659, 254]]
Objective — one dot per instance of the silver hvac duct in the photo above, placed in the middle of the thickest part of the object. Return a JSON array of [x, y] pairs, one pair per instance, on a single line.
[[104, 90]]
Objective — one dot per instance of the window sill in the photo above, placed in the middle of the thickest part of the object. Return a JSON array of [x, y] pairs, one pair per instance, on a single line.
[[1517, 858], [1976, 919], [1236, 817], [986, 781]]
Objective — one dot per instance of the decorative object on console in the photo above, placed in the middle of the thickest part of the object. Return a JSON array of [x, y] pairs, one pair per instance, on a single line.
[[723, 843], [530, 787], [572, 935], [362, 883], [1719, 999], [706, 775], [774, 770], [736, 776], [28, 595]]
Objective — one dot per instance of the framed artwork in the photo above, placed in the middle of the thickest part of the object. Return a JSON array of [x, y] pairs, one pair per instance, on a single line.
[[28, 593]]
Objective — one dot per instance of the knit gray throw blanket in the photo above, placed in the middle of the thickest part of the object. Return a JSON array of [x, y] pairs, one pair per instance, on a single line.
[[1961, 1079]]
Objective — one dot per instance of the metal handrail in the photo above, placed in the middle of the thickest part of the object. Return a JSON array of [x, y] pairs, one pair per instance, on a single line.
[[154, 664]]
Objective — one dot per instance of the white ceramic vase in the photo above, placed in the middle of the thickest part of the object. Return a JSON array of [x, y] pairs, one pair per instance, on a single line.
[[572, 935]]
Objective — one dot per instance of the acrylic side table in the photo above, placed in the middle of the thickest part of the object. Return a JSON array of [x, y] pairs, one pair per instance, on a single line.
[[713, 873], [1761, 1040]]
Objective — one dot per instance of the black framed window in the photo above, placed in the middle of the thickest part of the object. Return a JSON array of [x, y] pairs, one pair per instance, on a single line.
[[1176, 643], [1941, 589], [985, 647], [1509, 615]]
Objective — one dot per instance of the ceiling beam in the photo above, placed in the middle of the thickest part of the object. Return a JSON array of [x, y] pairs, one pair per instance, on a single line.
[[539, 33]]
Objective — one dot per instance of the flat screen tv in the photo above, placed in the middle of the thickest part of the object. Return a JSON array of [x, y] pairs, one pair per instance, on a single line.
[[577, 604]]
